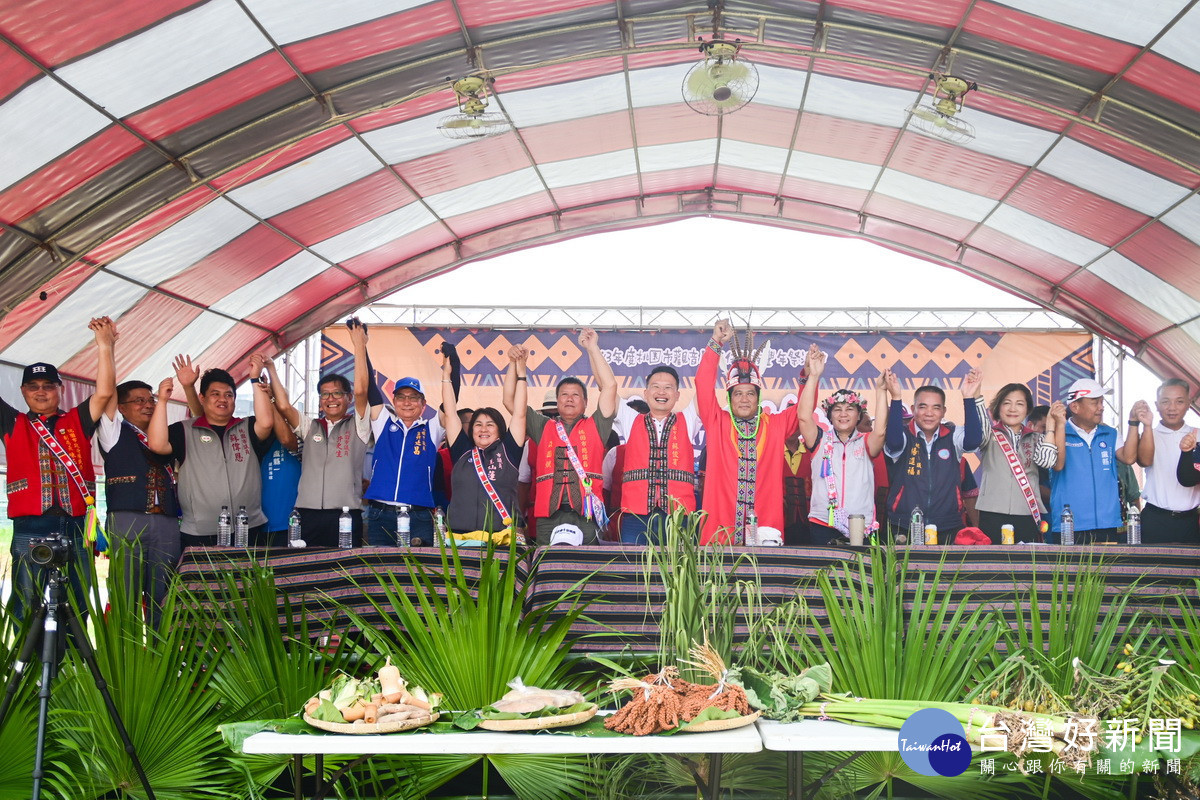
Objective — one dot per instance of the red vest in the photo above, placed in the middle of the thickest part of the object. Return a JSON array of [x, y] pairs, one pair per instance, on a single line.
[[30, 463], [658, 477], [556, 483]]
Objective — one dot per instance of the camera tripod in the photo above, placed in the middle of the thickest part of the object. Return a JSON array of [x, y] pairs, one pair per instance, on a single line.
[[45, 627]]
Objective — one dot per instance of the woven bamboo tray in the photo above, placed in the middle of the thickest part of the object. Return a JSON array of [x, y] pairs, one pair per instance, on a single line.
[[374, 727], [539, 723], [723, 724]]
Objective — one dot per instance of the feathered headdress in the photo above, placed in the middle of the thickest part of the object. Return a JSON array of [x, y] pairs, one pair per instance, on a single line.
[[745, 364]]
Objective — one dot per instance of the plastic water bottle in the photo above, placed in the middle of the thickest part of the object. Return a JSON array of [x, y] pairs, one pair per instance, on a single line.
[[241, 529], [345, 530], [916, 527], [1133, 526], [403, 527], [751, 536], [440, 539], [224, 528], [294, 539], [1067, 527]]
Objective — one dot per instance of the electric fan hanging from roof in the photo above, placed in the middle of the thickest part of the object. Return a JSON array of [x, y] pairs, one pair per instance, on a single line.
[[473, 121], [722, 83], [938, 115]]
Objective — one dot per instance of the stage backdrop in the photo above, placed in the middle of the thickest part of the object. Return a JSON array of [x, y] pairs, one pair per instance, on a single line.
[[1046, 362]]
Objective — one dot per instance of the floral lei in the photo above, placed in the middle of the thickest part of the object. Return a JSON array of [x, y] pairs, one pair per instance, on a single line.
[[844, 396]]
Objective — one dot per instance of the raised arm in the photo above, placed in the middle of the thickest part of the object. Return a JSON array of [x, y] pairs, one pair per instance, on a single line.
[[1046, 452], [104, 400], [362, 367], [601, 371], [156, 434], [450, 380], [879, 426], [706, 374], [814, 366], [1185, 471], [451, 352], [509, 394], [1141, 422], [187, 373], [284, 409], [106, 371], [974, 414], [893, 440], [518, 356], [283, 422], [264, 413], [1058, 415], [453, 424]]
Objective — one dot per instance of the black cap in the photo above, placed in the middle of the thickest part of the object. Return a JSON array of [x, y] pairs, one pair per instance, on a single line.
[[41, 371]]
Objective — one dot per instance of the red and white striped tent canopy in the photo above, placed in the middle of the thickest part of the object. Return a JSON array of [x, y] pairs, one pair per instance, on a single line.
[[228, 175]]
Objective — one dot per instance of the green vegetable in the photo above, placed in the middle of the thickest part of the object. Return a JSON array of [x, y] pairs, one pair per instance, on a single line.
[[707, 715], [548, 711], [467, 721], [327, 712], [343, 690], [780, 696]]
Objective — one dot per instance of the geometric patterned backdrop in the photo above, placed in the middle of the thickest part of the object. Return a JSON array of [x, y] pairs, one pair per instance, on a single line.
[[1046, 362]]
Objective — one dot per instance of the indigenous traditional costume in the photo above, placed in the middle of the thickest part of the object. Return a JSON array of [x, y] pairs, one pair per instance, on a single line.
[[843, 473], [658, 466], [745, 456]]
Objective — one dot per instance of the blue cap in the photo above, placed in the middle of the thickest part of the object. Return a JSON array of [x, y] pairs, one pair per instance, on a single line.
[[408, 383]]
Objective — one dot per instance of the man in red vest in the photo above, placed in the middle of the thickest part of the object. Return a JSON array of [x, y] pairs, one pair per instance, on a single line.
[[745, 445], [51, 480], [568, 476], [659, 461]]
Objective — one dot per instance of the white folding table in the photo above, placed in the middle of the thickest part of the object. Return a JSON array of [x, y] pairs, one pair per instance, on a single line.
[[813, 735], [717, 743]]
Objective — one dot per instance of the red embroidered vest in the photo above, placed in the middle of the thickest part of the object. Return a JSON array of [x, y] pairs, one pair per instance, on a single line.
[[658, 474], [555, 481], [31, 466]]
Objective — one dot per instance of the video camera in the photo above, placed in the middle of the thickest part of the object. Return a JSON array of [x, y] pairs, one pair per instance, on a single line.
[[50, 551]]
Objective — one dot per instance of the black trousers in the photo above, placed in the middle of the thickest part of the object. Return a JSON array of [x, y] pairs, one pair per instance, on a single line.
[[319, 526], [1160, 526]]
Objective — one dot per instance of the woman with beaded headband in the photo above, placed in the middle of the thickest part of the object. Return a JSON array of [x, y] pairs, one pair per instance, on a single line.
[[843, 475], [745, 444]]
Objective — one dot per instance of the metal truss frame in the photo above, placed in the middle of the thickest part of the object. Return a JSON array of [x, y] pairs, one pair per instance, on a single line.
[[787, 319]]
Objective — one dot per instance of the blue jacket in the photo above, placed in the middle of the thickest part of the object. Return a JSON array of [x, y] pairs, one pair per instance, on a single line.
[[280, 481], [1087, 482], [403, 468], [928, 477]]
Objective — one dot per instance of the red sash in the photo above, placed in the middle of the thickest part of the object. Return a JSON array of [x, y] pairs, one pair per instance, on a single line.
[[91, 523], [1018, 471], [593, 505], [146, 444], [492, 494]]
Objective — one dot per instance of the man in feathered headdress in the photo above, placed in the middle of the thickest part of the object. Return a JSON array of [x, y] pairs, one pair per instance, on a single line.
[[745, 444]]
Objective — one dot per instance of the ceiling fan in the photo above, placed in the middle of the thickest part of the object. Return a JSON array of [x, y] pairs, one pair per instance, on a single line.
[[473, 120], [938, 115]]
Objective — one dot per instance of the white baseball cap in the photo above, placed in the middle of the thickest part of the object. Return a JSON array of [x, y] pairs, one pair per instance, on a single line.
[[1083, 388], [769, 537], [566, 534]]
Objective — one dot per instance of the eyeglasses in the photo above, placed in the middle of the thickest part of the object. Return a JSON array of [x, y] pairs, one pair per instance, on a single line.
[[332, 395], [140, 401], [40, 386]]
